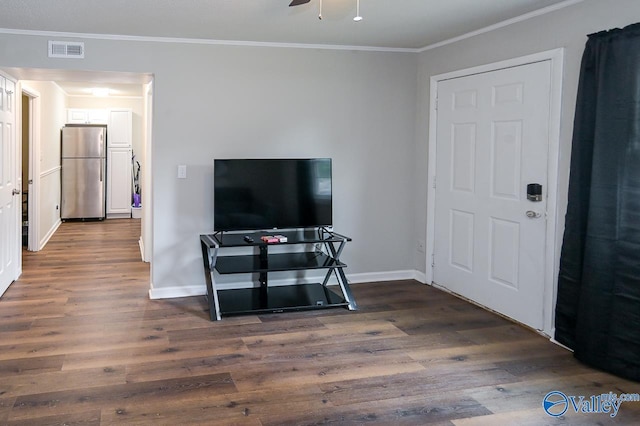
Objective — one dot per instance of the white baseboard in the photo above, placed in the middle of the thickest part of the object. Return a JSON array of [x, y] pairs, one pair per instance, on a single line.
[[174, 292], [141, 245], [118, 215], [47, 237], [553, 340], [187, 291], [372, 277]]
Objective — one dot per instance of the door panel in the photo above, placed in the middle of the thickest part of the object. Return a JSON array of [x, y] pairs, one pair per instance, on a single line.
[[492, 140], [119, 181], [9, 201]]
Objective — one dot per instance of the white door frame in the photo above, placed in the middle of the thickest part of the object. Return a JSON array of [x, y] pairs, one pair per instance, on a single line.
[[147, 211], [34, 165], [551, 260]]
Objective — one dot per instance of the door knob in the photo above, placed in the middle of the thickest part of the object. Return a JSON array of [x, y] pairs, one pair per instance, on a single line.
[[532, 215], [15, 191]]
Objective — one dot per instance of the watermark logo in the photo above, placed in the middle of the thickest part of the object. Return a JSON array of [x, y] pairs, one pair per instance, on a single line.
[[556, 403]]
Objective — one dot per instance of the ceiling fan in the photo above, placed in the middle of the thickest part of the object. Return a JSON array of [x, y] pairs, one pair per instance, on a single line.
[[300, 2]]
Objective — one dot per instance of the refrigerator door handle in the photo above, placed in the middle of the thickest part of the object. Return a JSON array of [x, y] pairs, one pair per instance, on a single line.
[[101, 144]]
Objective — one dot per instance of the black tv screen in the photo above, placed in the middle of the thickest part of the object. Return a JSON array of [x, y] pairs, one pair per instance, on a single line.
[[256, 194]]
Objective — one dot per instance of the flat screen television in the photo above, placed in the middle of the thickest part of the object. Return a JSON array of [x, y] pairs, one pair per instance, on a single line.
[[260, 194]]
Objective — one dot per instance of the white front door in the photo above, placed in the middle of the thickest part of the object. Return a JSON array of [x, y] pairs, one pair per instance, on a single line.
[[10, 198], [492, 141]]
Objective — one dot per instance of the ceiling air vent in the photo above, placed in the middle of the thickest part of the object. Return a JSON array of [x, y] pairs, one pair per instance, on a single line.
[[66, 49]]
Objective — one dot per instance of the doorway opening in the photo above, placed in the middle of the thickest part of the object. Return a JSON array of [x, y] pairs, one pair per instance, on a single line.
[[38, 152]]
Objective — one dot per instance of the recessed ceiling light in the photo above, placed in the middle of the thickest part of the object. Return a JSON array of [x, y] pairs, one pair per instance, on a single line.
[[100, 91]]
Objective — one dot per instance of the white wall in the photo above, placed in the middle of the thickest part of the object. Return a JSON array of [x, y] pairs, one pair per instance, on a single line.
[[52, 118], [233, 101], [567, 28]]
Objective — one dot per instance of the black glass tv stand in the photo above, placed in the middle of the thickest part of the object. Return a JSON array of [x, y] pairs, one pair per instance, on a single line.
[[327, 248]]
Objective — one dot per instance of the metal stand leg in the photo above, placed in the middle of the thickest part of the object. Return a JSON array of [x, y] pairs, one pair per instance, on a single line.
[[209, 257], [340, 276]]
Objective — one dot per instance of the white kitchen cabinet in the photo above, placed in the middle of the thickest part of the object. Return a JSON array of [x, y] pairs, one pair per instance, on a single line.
[[120, 128], [119, 170], [118, 183], [87, 116]]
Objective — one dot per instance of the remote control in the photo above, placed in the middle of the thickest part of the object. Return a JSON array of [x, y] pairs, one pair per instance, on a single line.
[[248, 239]]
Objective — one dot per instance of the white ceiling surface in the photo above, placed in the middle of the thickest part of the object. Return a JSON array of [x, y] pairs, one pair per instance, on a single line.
[[387, 24]]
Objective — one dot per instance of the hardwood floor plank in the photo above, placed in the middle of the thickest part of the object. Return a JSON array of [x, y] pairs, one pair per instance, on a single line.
[[17, 325], [88, 418], [57, 381], [221, 330], [507, 332], [52, 347], [15, 367], [157, 351], [289, 373], [174, 367], [83, 344], [6, 404], [483, 354], [414, 410], [363, 331], [31, 309], [423, 383], [243, 408], [81, 400]]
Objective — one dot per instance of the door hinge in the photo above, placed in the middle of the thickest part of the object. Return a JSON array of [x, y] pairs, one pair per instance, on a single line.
[[436, 104], [434, 182], [433, 260]]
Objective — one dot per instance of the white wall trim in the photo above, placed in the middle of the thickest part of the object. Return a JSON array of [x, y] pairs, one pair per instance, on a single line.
[[551, 261], [175, 292], [372, 277], [502, 24], [245, 43], [51, 171], [553, 340], [49, 234], [141, 245], [200, 290]]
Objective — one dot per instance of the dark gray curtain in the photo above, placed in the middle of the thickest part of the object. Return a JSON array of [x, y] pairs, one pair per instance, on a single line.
[[598, 305]]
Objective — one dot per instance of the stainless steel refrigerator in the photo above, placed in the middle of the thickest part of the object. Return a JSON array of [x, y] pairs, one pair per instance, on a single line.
[[83, 150]]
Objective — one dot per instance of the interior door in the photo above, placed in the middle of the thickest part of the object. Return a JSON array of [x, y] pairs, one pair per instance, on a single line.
[[10, 197], [492, 142]]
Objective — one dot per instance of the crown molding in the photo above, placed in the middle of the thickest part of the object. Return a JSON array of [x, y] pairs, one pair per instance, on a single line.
[[502, 24], [116, 37]]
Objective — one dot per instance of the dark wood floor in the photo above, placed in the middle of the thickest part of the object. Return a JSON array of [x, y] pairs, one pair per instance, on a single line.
[[81, 343]]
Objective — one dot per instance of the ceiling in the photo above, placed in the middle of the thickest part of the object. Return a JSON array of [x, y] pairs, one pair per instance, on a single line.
[[405, 25]]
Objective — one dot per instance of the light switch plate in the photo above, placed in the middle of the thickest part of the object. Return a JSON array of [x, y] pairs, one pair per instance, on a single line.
[[182, 171]]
